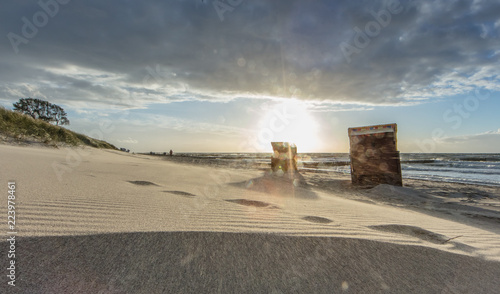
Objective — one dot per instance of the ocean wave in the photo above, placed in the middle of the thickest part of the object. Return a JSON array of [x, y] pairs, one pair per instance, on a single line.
[[482, 169]]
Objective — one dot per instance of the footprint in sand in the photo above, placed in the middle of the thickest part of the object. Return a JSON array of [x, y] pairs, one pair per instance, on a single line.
[[181, 193], [317, 219], [424, 235], [253, 203], [142, 183], [413, 231]]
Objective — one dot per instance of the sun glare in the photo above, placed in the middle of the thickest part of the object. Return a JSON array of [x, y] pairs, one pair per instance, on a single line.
[[290, 121]]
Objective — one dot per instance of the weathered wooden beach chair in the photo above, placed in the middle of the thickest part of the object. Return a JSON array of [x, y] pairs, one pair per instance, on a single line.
[[374, 155], [284, 156]]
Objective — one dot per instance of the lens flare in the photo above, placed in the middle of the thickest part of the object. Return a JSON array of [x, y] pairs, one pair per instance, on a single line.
[[290, 121]]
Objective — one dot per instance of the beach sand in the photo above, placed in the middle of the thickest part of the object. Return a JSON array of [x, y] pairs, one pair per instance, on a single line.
[[100, 221]]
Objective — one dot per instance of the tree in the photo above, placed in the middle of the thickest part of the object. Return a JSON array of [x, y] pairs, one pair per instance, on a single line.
[[40, 109]]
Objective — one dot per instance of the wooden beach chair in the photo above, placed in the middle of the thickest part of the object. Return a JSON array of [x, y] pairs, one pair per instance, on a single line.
[[374, 155], [284, 156]]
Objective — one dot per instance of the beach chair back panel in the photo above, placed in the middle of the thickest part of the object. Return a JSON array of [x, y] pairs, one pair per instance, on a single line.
[[374, 155]]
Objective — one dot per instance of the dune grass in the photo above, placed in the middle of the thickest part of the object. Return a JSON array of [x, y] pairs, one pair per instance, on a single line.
[[23, 128]]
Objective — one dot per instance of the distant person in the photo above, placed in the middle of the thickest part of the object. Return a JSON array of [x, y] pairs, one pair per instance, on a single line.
[[171, 152]]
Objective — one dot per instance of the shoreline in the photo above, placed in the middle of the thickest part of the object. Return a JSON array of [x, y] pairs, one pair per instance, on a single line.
[[309, 167]]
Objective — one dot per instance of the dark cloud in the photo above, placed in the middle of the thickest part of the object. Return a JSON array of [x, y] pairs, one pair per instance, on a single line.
[[130, 53]]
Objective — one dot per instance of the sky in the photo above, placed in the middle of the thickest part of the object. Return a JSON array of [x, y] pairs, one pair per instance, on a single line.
[[234, 75]]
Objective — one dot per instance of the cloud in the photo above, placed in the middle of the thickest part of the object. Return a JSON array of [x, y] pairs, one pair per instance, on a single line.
[[105, 54], [185, 126], [486, 138], [128, 140]]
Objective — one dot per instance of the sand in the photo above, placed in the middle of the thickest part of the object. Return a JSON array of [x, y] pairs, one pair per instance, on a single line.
[[100, 221]]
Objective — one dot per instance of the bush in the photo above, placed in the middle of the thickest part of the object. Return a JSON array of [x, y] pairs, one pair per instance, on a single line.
[[20, 127]]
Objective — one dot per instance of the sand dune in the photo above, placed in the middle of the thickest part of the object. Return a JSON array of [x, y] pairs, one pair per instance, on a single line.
[[121, 223]]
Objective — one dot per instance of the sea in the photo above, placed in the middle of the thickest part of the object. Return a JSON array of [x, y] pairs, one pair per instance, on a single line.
[[467, 168]]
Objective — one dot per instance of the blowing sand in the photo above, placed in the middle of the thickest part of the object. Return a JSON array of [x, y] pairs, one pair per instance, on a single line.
[[95, 221]]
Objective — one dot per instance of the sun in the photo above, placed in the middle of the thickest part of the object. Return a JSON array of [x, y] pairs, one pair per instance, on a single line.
[[291, 121]]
